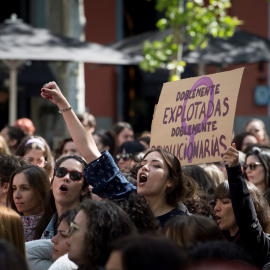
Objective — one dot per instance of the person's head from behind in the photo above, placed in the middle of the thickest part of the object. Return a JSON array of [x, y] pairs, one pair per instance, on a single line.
[[201, 177], [145, 252], [59, 240], [96, 226], [160, 175], [106, 140], [8, 165], [37, 151], [26, 125], [215, 173], [10, 257], [65, 147], [124, 132], [13, 137], [257, 167], [140, 213], [145, 140], [29, 186], [11, 228], [257, 127], [88, 120], [187, 231], [219, 251], [124, 159], [243, 139]]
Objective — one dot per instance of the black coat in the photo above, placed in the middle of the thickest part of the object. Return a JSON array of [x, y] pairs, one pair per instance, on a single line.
[[252, 238]]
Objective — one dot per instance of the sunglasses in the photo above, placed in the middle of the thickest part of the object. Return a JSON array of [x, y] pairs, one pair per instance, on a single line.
[[125, 157], [252, 166], [74, 175], [72, 228]]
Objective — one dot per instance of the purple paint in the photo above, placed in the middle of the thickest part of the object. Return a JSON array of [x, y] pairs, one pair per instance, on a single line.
[[202, 81]]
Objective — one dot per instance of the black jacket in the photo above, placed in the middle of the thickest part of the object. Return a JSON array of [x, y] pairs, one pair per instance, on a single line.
[[252, 237]]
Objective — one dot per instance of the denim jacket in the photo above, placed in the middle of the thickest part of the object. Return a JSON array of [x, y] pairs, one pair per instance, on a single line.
[[51, 228]]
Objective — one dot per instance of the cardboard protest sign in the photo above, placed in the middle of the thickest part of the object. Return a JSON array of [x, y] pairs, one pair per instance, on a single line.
[[194, 117]]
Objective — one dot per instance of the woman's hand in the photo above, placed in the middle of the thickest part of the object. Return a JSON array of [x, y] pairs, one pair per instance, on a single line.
[[52, 91], [231, 156]]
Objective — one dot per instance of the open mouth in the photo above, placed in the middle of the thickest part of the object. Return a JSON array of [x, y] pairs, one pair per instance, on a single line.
[[142, 178], [218, 219], [64, 188]]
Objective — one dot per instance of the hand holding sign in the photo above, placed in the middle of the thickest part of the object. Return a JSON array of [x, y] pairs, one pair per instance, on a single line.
[[196, 124]]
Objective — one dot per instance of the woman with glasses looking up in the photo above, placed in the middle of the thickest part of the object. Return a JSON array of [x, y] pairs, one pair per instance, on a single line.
[[68, 189], [257, 167], [159, 179]]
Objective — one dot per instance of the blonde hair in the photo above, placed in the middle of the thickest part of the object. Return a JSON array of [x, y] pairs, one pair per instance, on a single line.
[[214, 172], [4, 149], [11, 228]]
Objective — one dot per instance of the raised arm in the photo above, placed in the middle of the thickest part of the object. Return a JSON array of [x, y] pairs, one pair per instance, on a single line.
[[256, 242], [80, 136]]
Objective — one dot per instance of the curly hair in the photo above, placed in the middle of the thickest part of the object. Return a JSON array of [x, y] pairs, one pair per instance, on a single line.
[[182, 187], [200, 204], [106, 222], [140, 213]]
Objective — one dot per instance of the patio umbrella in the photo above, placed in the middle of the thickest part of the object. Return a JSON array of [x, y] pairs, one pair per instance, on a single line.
[[20, 42], [242, 47]]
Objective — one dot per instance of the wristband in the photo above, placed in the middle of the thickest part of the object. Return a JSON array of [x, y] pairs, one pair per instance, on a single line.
[[65, 110]]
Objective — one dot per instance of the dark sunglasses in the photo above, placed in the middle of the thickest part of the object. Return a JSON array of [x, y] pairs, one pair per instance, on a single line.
[[252, 166], [125, 157], [74, 175]]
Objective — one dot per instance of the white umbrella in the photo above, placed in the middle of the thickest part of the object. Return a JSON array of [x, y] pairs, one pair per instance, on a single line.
[[20, 42]]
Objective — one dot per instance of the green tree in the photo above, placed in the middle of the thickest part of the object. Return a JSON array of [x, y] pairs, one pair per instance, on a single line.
[[190, 21]]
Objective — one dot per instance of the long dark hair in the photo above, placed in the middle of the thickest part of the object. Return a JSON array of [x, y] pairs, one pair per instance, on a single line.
[[38, 180], [182, 187], [50, 202]]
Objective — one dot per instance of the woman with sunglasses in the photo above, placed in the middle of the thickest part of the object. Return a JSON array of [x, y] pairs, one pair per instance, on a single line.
[[257, 167], [28, 187], [159, 179], [68, 189], [125, 157], [242, 213]]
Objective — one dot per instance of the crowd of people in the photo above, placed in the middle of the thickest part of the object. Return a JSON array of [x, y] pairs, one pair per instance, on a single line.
[[102, 199]]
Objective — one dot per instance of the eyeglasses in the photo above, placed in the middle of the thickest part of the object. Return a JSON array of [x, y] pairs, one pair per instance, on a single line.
[[252, 166], [74, 175], [72, 228], [125, 156]]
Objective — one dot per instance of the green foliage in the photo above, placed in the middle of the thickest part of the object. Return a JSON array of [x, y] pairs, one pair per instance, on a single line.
[[191, 21]]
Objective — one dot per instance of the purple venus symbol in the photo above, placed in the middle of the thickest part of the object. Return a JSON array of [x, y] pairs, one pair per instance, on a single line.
[[202, 81]]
